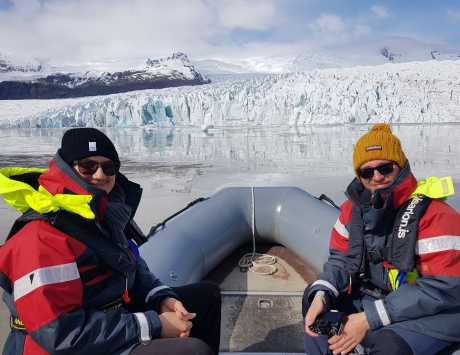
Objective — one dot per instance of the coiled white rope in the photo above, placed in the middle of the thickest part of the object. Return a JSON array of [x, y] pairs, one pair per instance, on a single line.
[[261, 264]]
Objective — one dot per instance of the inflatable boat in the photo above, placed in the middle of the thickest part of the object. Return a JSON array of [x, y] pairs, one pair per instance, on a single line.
[[193, 243], [197, 240]]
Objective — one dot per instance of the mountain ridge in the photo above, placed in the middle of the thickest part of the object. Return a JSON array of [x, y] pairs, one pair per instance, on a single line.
[[173, 71]]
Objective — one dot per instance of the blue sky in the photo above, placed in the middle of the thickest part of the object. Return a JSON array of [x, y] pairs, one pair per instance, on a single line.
[[90, 29]]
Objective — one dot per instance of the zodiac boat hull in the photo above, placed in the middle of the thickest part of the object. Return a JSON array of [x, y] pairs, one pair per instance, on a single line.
[[197, 240]]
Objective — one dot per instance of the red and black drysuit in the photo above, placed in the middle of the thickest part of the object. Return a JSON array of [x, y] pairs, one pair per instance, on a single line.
[[77, 285]]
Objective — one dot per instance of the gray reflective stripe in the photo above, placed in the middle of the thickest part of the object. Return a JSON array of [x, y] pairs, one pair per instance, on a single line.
[[340, 228], [153, 291], [382, 312], [321, 294], [437, 244], [328, 285], [143, 326], [45, 276]]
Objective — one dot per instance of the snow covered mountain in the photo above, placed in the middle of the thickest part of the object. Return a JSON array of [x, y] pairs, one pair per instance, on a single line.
[[176, 66], [158, 73], [219, 66], [9, 64], [253, 64], [370, 52], [418, 92], [400, 50]]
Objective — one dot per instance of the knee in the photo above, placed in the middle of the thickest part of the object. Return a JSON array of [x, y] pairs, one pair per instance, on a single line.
[[211, 291], [316, 345], [211, 287], [388, 342], [195, 346]]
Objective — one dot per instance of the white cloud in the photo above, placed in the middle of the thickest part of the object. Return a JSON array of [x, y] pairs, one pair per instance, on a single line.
[[247, 14], [454, 15], [331, 29], [76, 29], [380, 11], [329, 23]]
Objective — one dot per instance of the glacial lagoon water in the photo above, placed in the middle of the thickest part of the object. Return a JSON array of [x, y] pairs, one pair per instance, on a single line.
[[313, 150], [176, 165]]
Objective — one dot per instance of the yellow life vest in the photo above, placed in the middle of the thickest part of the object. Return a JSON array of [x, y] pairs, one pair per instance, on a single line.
[[24, 197], [434, 188]]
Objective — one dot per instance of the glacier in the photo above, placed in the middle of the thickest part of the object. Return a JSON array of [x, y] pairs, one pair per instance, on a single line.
[[416, 92]]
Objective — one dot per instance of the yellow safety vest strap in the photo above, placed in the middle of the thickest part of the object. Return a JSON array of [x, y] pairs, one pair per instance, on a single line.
[[24, 197], [435, 187], [398, 278]]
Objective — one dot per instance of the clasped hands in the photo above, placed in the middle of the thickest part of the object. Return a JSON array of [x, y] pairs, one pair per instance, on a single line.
[[353, 333], [175, 319]]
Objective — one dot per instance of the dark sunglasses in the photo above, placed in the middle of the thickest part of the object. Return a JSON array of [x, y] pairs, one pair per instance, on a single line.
[[384, 169], [89, 167]]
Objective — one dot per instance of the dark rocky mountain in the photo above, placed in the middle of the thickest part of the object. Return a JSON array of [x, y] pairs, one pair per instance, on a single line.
[[388, 54], [158, 73]]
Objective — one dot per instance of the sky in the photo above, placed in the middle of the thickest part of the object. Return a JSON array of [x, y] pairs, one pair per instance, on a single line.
[[70, 31]]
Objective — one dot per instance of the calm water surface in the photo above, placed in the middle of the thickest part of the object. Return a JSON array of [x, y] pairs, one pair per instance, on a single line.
[[313, 150]]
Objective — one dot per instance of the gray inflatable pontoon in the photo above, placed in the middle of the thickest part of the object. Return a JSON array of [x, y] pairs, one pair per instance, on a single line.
[[191, 244]]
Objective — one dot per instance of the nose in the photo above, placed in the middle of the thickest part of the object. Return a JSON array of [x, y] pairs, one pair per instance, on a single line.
[[99, 174], [377, 176]]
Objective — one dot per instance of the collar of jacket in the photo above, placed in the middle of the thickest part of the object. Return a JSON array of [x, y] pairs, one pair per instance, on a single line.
[[399, 191], [59, 187]]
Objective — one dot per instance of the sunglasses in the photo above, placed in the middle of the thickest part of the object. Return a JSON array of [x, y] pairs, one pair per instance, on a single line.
[[89, 167], [384, 169]]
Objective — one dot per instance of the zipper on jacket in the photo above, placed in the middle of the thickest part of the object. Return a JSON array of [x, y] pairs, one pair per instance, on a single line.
[[125, 295], [349, 287]]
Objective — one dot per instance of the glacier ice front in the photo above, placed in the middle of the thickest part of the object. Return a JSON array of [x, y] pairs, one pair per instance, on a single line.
[[418, 92]]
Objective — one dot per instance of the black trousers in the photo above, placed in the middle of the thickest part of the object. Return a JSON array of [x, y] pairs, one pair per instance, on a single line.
[[204, 299]]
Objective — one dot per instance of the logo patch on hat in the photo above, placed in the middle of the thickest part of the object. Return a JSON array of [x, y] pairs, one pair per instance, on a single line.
[[373, 147], [92, 146]]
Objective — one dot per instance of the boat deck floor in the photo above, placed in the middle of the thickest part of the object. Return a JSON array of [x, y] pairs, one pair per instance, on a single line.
[[262, 313]]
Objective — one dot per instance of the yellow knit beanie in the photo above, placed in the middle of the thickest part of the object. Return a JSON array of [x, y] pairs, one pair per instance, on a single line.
[[378, 144]]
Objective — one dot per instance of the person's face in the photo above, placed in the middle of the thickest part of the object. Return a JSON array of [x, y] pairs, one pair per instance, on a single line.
[[98, 171], [378, 174]]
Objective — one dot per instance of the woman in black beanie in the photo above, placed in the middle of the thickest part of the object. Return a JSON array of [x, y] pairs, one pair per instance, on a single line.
[[74, 280]]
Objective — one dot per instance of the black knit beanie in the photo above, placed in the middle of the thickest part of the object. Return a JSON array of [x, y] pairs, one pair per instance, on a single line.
[[80, 143]]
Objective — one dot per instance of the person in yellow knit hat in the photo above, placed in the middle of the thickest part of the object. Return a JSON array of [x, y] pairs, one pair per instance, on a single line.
[[393, 272]]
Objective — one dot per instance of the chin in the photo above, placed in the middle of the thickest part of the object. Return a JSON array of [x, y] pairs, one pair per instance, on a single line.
[[105, 188], [382, 186]]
